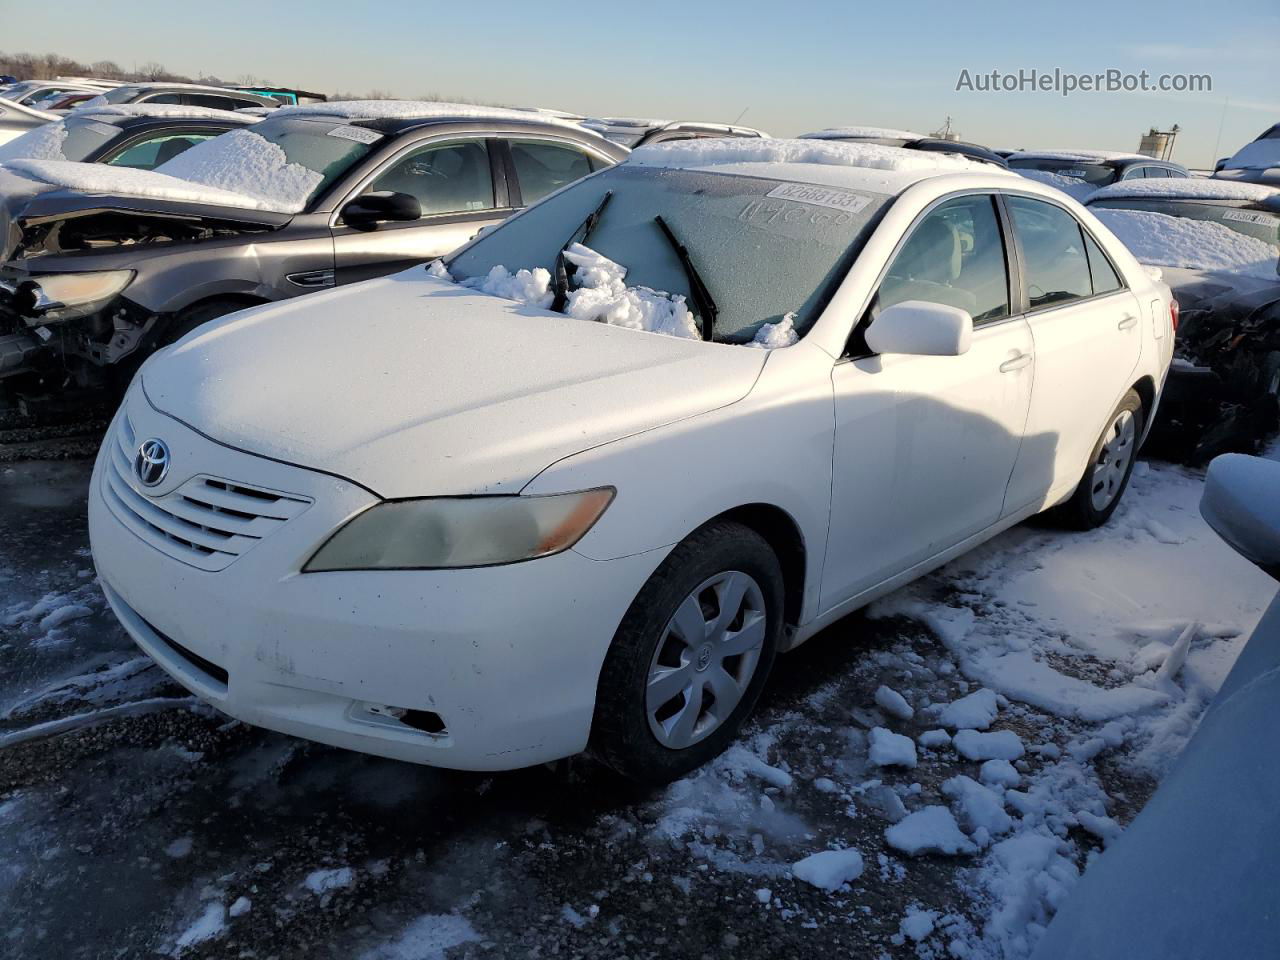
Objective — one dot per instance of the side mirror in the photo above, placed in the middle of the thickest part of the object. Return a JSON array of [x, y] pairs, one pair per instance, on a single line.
[[1241, 501], [365, 212], [920, 328]]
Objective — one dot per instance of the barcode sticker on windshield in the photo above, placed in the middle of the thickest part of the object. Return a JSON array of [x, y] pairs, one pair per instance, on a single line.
[[358, 134], [820, 196], [1249, 216], [1072, 172]]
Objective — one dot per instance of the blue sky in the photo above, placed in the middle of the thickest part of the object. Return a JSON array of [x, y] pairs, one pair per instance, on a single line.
[[792, 66]]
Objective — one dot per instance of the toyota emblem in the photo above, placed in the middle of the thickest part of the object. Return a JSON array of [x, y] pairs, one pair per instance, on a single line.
[[152, 462]]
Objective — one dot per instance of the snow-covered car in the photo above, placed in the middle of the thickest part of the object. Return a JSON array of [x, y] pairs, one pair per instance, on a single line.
[[37, 93], [908, 140], [1210, 827], [15, 120], [633, 132], [103, 263], [184, 94], [577, 484], [1255, 162], [1079, 172], [1217, 244]]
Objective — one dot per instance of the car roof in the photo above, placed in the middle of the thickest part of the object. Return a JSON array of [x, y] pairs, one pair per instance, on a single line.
[[1088, 156], [860, 166], [862, 133], [1190, 188], [131, 114]]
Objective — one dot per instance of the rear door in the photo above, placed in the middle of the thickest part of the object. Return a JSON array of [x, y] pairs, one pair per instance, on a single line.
[[1087, 335], [460, 183], [542, 166]]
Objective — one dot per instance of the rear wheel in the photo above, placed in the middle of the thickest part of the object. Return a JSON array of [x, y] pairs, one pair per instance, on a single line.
[[1107, 476], [691, 656]]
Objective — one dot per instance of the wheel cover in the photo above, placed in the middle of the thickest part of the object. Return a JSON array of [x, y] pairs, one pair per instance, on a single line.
[[705, 659], [1112, 465]]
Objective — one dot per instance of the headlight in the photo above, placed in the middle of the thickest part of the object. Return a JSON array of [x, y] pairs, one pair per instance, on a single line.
[[451, 532], [59, 291]]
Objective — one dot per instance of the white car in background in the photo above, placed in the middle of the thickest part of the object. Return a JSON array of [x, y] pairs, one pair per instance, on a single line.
[[16, 119], [489, 532]]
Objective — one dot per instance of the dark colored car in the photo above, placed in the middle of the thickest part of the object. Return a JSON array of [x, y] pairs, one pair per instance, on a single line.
[[1224, 394], [1096, 168], [1256, 162], [633, 133], [95, 280], [910, 141], [188, 95], [286, 95]]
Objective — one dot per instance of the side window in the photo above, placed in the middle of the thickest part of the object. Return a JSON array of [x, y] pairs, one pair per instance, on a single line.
[[1134, 173], [1105, 278], [954, 256], [543, 167], [149, 154], [1176, 174], [212, 101], [162, 98], [451, 177], [1055, 265]]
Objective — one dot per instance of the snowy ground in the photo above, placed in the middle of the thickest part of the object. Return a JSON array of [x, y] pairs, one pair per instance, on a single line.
[[135, 822]]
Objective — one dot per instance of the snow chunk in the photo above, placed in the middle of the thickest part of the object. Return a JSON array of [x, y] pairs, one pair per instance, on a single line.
[[530, 287], [179, 848], [772, 336], [1000, 773], [243, 162], [934, 738], [1027, 878], [603, 295], [717, 152], [322, 881], [43, 143], [65, 614], [1190, 188], [893, 703], [1104, 828], [890, 749], [918, 924], [979, 806], [426, 938], [974, 712], [764, 895], [1001, 745], [862, 133], [1165, 241], [212, 923], [830, 869], [740, 761], [242, 906], [930, 830]]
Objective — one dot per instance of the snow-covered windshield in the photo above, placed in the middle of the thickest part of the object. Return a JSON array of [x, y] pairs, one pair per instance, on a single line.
[[768, 251], [1097, 174], [1261, 225], [76, 138], [284, 161]]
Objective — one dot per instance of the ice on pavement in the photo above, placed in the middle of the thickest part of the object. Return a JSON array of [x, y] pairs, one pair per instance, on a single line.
[[212, 923], [997, 745], [929, 830], [829, 869], [426, 938], [322, 881], [891, 749], [977, 807], [975, 711], [893, 703], [1164, 241]]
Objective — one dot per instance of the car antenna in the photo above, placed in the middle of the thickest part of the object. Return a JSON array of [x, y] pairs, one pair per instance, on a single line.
[[561, 272], [702, 300]]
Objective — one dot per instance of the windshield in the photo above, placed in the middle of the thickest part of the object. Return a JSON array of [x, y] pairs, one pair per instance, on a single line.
[[764, 248], [1097, 174], [1259, 224], [74, 139], [285, 161]]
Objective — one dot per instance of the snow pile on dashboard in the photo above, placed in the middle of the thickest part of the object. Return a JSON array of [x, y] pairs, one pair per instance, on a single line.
[[1189, 188], [1155, 238], [837, 153], [861, 133], [42, 143], [101, 178], [154, 110], [411, 109], [243, 162]]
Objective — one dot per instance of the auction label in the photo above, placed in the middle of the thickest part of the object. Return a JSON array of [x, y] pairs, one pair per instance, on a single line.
[[1249, 216], [817, 196], [358, 134]]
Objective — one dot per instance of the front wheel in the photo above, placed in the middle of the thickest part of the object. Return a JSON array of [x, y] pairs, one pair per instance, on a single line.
[[1107, 475], [691, 656]]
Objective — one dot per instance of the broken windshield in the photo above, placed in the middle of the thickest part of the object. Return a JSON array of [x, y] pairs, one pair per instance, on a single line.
[[765, 249]]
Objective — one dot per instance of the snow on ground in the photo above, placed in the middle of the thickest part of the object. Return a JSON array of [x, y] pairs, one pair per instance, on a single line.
[[1164, 241]]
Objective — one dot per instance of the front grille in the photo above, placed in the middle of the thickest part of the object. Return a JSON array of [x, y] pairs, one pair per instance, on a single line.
[[207, 522]]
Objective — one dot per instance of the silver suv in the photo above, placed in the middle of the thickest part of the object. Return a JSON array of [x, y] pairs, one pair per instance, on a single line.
[[92, 282]]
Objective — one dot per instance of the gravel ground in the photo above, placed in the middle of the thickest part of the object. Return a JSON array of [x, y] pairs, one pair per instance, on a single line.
[[139, 822]]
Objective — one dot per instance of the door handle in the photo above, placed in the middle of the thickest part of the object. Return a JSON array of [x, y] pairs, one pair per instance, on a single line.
[[1128, 322], [1015, 363]]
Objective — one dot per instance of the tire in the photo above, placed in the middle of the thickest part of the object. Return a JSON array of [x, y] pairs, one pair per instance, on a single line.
[[198, 315], [1110, 465], [646, 742]]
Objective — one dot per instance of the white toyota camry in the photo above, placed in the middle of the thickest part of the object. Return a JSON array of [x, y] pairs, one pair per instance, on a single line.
[[575, 488]]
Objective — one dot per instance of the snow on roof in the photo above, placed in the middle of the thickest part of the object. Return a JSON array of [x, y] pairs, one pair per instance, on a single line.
[[862, 133], [164, 84], [102, 178], [175, 110], [1190, 188], [410, 110], [1080, 156], [640, 123], [1164, 241], [1258, 155]]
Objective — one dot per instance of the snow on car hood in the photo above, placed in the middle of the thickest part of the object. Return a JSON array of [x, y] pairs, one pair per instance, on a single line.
[[413, 386], [1165, 241]]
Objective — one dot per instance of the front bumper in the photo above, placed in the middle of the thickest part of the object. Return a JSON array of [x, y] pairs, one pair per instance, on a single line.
[[507, 657]]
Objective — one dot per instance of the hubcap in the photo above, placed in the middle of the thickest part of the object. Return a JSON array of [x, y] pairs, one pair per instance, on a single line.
[[705, 659], [1113, 460]]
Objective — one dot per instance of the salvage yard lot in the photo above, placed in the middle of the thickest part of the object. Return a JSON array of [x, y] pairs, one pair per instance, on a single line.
[[134, 820]]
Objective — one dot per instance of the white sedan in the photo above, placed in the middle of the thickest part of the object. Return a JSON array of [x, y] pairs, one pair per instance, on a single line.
[[445, 517]]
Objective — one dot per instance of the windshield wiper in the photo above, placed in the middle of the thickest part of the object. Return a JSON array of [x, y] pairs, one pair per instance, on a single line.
[[560, 275], [706, 307]]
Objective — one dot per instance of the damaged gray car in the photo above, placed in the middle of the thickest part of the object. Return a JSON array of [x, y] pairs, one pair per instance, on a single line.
[[101, 266]]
